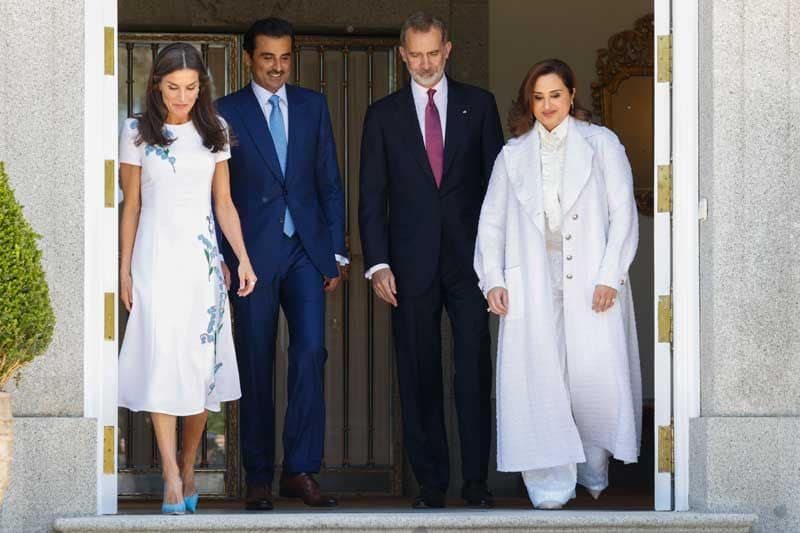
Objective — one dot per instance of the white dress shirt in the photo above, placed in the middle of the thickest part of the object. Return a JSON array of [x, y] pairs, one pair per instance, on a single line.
[[263, 95], [553, 151], [420, 95]]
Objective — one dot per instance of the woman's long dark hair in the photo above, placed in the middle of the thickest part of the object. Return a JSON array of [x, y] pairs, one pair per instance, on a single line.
[[520, 117], [179, 56]]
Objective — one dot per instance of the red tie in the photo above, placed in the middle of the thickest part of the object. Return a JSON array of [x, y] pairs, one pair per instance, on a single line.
[[434, 144]]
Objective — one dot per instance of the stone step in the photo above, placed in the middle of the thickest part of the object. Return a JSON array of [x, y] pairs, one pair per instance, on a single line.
[[451, 521]]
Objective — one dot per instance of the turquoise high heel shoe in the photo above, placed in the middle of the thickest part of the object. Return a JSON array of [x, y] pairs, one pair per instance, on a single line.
[[191, 502], [173, 508]]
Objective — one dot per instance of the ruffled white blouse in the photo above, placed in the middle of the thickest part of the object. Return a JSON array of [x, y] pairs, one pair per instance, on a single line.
[[553, 151]]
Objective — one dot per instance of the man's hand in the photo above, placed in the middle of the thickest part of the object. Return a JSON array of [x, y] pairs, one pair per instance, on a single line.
[[330, 284], [384, 286]]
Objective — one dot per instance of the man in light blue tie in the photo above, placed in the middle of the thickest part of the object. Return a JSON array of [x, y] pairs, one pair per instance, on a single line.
[[286, 185]]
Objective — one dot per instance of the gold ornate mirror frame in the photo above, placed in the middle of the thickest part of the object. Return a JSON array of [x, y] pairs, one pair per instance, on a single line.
[[623, 100]]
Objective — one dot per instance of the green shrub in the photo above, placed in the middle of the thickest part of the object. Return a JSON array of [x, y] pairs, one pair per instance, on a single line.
[[26, 315]]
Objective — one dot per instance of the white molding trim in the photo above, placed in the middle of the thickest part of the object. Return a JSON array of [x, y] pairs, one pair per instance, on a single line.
[[100, 238], [685, 234], [662, 265]]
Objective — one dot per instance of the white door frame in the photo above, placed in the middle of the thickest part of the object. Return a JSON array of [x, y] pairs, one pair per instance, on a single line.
[[100, 241], [100, 244], [676, 257], [686, 238]]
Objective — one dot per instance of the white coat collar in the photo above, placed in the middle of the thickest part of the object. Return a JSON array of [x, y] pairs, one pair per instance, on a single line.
[[522, 157]]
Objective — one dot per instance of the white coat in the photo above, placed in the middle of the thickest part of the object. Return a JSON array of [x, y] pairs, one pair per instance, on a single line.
[[540, 422]]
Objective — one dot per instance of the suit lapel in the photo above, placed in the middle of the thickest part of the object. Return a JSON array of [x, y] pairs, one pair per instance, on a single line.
[[296, 123], [456, 126], [406, 114], [577, 165], [256, 124]]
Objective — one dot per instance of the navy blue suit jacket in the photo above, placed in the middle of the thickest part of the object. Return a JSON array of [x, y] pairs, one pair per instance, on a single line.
[[405, 220], [312, 186]]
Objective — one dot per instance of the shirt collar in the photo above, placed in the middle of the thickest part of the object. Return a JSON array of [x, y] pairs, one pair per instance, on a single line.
[[554, 138], [263, 95], [421, 93]]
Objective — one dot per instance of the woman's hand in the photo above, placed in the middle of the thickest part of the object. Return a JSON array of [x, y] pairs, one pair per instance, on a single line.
[[126, 289], [498, 301], [603, 299], [247, 279]]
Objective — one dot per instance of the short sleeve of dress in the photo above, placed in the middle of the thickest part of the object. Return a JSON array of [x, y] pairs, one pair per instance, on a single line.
[[225, 153], [129, 153]]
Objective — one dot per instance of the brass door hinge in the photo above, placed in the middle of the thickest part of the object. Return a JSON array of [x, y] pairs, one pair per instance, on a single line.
[[665, 58], [109, 302], [664, 188], [108, 449], [665, 449], [665, 318], [109, 45], [108, 184]]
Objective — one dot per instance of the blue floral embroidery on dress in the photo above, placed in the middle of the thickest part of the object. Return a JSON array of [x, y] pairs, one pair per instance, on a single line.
[[216, 312], [160, 151]]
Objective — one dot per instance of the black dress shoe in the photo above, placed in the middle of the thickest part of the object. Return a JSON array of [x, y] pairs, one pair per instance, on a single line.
[[259, 498], [429, 498], [477, 494]]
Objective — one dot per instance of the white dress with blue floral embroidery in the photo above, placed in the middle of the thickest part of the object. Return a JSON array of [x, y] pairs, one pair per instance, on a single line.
[[177, 356]]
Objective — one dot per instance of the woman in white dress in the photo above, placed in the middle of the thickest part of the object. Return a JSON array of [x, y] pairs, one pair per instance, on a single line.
[[177, 358], [557, 233]]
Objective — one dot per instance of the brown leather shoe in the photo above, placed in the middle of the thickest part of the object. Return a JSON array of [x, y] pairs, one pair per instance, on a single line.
[[305, 487], [259, 498]]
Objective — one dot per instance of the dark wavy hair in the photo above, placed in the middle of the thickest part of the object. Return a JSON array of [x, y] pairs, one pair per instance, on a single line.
[[178, 56], [520, 117]]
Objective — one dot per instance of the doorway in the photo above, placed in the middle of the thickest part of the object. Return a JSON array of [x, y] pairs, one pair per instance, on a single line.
[[354, 439]]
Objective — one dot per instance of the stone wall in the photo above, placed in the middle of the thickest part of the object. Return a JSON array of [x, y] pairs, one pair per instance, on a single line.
[[744, 446], [41, 142]]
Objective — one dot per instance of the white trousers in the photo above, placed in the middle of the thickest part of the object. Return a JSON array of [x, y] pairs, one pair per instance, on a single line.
[[557, 483]]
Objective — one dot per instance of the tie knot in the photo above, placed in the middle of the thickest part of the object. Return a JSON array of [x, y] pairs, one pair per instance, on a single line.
[[274, 100], [431, 92]]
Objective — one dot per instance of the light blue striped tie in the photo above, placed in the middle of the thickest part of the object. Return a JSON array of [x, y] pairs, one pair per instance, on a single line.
[[278, 131]]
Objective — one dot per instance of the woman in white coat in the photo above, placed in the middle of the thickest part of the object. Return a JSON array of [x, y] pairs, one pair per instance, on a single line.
[[557, 233]]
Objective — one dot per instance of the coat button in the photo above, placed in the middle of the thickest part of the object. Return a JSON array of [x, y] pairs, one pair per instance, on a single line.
[[568, 236], [569, 276], [569, 258], [575, 216], [263, 199]]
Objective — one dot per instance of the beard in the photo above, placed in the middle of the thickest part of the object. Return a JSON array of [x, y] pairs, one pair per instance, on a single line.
[[427, 78]]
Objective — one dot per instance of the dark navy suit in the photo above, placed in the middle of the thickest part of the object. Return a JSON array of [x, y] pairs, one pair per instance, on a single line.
[[427, 236], [290, 272]]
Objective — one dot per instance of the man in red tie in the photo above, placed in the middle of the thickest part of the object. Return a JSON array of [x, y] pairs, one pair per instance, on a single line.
[[426, 157]]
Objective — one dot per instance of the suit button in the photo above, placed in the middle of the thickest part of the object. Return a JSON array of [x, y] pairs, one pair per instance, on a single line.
[[263, 199], [569, 258], [568, 236], [569, 276], [280, 220], [575, 216]]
